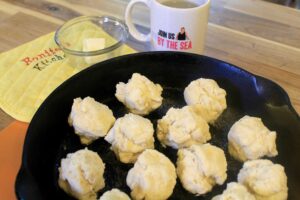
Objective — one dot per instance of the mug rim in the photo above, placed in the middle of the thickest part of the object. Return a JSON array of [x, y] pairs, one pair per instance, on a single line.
[[183, 9]]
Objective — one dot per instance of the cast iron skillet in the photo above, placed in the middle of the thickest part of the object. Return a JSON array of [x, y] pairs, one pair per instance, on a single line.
[[49, 137]]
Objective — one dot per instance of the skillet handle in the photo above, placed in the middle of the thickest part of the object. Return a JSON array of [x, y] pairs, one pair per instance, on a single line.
[[25, 186]]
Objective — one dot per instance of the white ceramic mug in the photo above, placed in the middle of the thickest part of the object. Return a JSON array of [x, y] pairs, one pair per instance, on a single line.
[[173, 29]]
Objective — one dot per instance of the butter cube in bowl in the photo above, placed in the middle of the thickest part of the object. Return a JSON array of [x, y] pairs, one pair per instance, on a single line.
[[87, 40]]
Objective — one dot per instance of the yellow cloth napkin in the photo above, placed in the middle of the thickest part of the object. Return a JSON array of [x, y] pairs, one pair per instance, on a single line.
[[30, 72]]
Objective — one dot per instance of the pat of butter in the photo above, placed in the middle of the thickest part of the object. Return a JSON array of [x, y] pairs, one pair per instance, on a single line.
[[93, 44]]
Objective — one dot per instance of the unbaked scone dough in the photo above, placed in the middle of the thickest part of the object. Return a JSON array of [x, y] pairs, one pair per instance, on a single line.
[[207, 98], [114, 194], [130, 136], [267, 181], [81, 174], [200, 167], [140, 94], [235, 191], [249, 139], [182, 128], [153, 176], [90, 119]]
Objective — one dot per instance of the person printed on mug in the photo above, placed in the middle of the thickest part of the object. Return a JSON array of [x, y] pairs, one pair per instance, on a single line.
[[182, 35]]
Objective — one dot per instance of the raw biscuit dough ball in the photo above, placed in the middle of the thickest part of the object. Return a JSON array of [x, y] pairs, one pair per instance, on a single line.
[[249, 139], [200, 167], [90, 119], [235, 191], [114, 194], [130, 136], [267, 181], [140, 94], [81, 174], [153, 176], [182, 128], [207, 98]]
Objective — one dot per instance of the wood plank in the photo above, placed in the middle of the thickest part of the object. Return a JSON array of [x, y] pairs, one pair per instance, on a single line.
[[263, 9], [43, 8], [254, 48], [62, 9], [4, 15], [22, 28], [83, 7], [253, 25], [7, 9], [12, 7], [68, 9], [141, 14]]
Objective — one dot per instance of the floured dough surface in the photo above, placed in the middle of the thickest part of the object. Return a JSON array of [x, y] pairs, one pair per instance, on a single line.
[[267, 181], [207, 98], [153, 176], [182, 128], [201, 167], [250, 139], [81, 174], [130, 136], [235, 191], [114, 194], [90, 119], [139, 95]]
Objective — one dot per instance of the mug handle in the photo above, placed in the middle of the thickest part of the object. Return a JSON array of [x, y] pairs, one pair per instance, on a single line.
[[128, 20]]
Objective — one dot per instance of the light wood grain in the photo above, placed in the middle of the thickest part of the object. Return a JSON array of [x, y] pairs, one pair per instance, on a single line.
[[15, 25], [260, 27], [264, 10], [9, 7], [258, 36], [255, 48]]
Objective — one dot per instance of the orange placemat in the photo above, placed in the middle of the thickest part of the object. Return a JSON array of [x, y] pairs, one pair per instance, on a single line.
[[11, 148]]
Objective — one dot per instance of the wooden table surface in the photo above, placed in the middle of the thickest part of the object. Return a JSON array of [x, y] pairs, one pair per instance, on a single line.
[[261, 37]]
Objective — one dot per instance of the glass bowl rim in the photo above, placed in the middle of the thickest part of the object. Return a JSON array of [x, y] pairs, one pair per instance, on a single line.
[[80, 19]]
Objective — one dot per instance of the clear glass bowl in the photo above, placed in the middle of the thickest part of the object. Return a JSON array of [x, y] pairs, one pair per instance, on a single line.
[[73, 34]]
